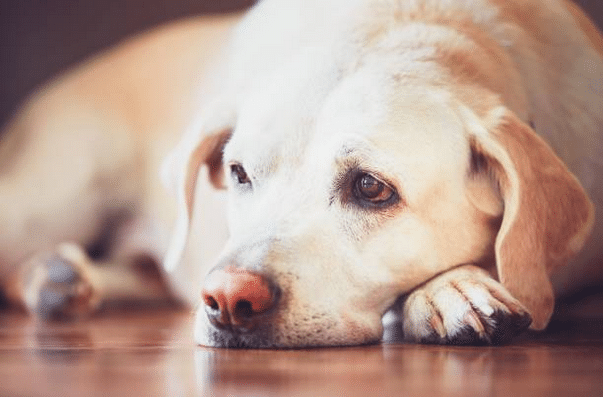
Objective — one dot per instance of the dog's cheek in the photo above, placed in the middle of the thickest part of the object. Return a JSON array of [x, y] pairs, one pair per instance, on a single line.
[[336, 323], [328, 296], [403, 254]]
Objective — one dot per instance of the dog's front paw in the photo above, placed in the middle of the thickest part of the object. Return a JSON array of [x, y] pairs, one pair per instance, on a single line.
[[57, 286], [464, 306]]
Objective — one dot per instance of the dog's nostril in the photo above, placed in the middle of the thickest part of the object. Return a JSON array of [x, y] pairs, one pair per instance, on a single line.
[[211, 302], [235, 297], [243, 309]]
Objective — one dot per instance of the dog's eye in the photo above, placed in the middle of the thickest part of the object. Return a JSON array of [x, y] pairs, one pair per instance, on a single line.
[[369, 189], [239, 173]]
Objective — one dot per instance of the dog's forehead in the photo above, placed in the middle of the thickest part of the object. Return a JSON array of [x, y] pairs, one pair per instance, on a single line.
[[277, 116], [409, 123], [410, 133], [315, 110], [310, 96]]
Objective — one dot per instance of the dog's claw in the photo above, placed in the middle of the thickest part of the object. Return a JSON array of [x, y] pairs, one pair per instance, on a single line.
[[463, 307]]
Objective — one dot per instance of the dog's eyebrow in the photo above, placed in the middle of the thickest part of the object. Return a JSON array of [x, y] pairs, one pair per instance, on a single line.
[[349, 145], [355, 153]]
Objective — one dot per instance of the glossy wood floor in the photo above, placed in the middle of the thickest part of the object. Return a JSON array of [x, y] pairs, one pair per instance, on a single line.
[[150, 353]]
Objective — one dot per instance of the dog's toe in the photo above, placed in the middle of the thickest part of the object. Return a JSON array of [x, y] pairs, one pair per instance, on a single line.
[[65, 301], [61, 271], [59, 288], [463, 308]]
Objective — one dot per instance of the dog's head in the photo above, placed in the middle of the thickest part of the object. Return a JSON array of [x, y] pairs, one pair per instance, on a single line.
[[349, 188], [332, 218]]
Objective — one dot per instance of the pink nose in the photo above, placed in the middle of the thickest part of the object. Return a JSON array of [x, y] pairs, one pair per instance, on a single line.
[[236, 297]]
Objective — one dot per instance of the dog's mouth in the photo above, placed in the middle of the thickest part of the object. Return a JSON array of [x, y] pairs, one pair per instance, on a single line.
[[246, 309], [264, 340], [227, 338], [268, 335]]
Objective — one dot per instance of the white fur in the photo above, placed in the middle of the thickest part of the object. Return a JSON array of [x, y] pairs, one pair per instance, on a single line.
[[314, 91], [308, 85]]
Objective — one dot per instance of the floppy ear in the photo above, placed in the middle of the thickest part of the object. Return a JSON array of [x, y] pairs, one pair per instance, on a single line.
[[180, 171], [547, 214]]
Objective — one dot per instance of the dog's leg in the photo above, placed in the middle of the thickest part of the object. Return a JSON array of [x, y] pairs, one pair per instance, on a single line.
[[462, 306], [66, 283]]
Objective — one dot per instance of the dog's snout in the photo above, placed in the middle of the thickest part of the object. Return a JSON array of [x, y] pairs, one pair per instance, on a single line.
[[236, 298]]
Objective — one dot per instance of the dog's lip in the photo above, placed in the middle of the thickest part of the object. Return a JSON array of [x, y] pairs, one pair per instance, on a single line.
[[267, 337], [227, 340]]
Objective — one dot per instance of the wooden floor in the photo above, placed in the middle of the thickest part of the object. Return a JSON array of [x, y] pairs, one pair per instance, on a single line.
[[150, 353]]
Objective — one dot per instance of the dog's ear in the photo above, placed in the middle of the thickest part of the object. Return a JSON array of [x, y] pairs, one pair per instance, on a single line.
[[547, 215], [180, 171]]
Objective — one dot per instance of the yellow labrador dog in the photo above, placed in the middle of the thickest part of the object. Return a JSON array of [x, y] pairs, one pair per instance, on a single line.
[[416, 169]]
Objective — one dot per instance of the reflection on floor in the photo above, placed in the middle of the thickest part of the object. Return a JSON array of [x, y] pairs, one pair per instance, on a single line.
[[151, 353]]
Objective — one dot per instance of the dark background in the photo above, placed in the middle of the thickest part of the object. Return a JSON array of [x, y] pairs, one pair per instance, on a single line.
[[39, 38]]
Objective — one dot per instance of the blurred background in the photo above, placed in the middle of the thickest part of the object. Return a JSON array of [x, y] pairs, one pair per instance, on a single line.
[[39, 38]]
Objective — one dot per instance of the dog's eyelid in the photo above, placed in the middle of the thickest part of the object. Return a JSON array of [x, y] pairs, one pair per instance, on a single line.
[[367, 189], [373, 190], [239, 174]]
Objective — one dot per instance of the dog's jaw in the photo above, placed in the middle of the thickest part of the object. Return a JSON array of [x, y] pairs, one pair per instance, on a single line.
[[290, 329], [403, 127]]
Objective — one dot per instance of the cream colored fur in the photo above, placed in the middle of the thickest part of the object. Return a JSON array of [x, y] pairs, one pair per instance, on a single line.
[[483, 116]]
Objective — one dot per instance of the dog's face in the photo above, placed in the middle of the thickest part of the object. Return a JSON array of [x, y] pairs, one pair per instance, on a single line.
[[344, 199], [353, 180]]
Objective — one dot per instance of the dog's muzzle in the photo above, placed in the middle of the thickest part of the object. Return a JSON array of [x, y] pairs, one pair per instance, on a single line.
[[237, 301]]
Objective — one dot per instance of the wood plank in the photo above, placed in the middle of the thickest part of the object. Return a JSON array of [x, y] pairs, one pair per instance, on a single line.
[[151, 353]]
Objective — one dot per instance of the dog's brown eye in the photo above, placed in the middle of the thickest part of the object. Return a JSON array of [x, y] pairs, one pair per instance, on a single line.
[[239, 173], [368, 188]]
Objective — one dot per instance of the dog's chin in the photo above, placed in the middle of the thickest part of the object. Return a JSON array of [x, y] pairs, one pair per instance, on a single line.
[[259, 340], [267, 337], [233, 340]]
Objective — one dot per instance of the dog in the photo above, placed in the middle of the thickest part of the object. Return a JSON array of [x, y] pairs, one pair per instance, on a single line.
[[86, 217], [358, 171]]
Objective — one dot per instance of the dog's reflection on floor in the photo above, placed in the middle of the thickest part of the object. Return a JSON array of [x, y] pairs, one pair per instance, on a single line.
[[408, 369]]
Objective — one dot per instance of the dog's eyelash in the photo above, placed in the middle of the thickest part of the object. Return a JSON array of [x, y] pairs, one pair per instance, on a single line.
[[369, 188], [364, 190], [371, 192], [239, 174]]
